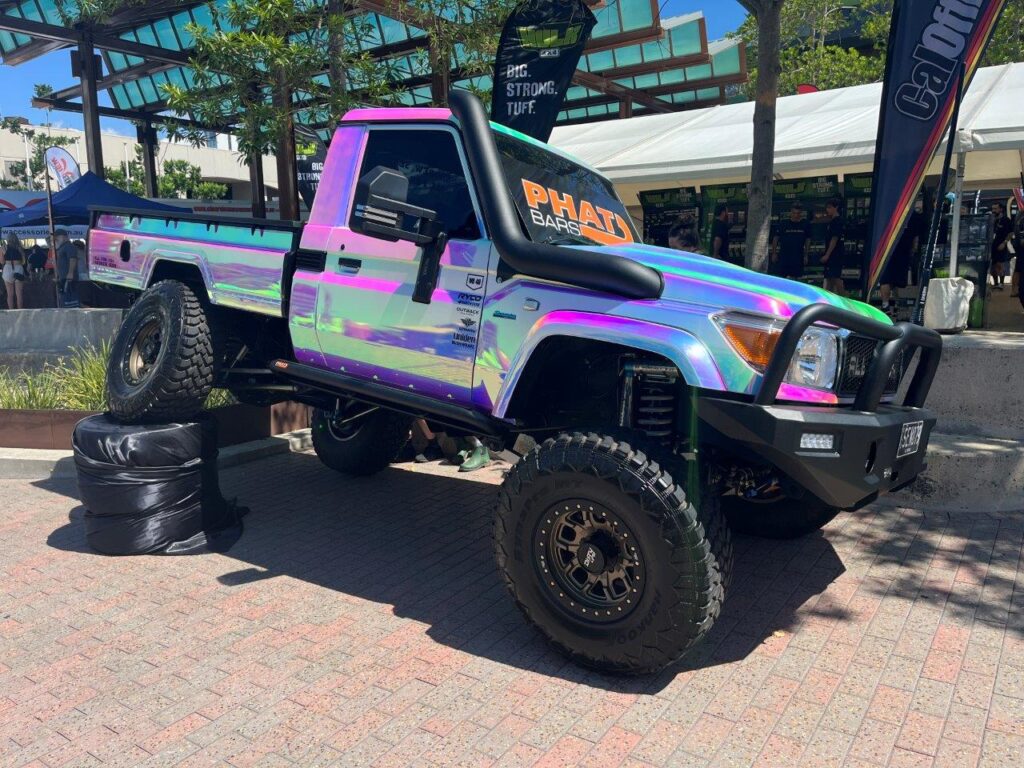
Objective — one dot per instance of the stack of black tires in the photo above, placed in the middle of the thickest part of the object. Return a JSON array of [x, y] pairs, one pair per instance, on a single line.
[[147, 469]]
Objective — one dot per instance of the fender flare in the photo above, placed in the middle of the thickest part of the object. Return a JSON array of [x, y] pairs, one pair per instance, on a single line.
[[682, 348]]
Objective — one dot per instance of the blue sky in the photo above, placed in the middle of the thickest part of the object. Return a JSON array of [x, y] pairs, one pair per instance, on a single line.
[[723, 16]]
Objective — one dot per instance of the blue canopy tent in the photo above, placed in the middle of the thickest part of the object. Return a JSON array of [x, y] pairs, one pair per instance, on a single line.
[[71, 204]]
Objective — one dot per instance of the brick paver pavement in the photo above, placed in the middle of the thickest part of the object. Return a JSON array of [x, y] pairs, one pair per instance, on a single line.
[[361, 622]]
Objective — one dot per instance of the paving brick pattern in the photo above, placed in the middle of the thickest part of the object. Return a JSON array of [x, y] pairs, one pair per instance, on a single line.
[[361, 622]]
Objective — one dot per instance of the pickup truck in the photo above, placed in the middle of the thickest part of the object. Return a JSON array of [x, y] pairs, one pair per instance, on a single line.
[[457, 271]]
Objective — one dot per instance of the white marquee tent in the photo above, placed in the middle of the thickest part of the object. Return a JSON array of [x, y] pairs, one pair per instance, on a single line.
[[829, 132]]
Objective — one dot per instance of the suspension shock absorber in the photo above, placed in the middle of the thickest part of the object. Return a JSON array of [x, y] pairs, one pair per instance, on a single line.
[[649, 398]]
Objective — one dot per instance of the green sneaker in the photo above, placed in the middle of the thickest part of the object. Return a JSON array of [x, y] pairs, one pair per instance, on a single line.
[[480, 457]]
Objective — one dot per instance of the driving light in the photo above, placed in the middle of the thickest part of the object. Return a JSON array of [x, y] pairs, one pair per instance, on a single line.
[[814, 441], [753, 338], [816, 360]]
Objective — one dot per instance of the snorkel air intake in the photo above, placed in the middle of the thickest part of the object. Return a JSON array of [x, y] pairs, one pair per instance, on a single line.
[[590, 269]]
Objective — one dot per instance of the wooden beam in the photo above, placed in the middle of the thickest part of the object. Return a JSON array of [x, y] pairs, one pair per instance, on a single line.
[[620, 92]]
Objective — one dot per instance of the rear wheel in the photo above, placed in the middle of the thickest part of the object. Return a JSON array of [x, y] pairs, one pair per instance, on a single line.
[[608, 556], [777, 515], [161, 365], [359, 439]]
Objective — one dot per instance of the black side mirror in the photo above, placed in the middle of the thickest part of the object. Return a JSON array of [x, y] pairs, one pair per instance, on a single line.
[[381, 209]]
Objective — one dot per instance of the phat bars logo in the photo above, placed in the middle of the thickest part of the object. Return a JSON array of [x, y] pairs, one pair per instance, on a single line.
[[937, 56], [562, 213]]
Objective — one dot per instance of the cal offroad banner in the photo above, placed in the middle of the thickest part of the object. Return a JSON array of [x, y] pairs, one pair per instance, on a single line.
[[310, 156], [539, 49], [931, 42]]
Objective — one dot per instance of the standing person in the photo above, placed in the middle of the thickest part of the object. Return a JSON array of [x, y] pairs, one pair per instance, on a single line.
[[12, 259], [37, 261], [67, 269], [790, 243], [83, 286], [1018, 246], [1002, 231], [832, 259], [720, 232], [899, 262]]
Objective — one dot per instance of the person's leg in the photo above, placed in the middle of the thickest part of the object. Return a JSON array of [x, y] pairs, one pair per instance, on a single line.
[[997, 274], [9, 293], [19, 293]]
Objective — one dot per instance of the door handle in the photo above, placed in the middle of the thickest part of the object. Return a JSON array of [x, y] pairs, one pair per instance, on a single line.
[[350, 265]]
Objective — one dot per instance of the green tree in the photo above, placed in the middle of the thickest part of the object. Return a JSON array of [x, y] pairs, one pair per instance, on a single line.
[[255, 49], [39, 142], [182, 179], [1007, 43]]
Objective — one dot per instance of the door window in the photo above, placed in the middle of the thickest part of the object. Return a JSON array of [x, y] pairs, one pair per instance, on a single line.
[[431, 162]]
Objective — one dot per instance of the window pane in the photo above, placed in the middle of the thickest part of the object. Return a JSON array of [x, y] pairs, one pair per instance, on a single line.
[[727, 62], [636, 14], [685, 39], [430, 160], [699, 72]]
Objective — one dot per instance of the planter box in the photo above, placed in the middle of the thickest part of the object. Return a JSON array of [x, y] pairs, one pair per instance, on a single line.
[[235, 424]]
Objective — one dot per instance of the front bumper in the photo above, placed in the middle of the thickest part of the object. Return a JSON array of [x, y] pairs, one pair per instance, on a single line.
[[862, 465], [867, 458]]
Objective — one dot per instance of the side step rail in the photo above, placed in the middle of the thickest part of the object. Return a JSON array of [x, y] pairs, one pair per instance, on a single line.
[[397, 399]]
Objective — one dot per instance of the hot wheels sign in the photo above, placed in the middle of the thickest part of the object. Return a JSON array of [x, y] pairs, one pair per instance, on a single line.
[[62, 166]]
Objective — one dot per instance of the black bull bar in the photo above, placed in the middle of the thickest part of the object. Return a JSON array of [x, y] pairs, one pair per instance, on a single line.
[[895, 338]]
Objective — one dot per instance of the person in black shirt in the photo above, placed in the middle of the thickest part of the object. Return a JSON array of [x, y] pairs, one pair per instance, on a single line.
[[790, 243], [1001, 234], [832, 259], [895, 272], [720, 232], [12, 264]]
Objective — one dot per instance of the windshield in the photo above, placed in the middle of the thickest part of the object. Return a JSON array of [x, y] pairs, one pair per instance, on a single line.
[[560, 201]]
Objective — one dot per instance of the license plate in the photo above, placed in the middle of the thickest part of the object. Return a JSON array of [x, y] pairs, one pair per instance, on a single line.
[[910, 438]]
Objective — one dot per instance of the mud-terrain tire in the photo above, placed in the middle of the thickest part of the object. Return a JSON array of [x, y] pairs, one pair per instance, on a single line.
[[662, 558], [783, 518], [362, 447], [161, 365]]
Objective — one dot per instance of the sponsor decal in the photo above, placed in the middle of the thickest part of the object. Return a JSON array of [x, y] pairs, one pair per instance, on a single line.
[[563, 212], [474, 282], [504, 315]]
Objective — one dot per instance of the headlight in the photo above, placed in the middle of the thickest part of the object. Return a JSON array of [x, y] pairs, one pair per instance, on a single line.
[[814, 363], [816, 360]]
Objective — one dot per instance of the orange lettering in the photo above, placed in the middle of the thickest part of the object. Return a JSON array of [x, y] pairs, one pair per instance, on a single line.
[[609, 219], [587, 214], [627, 236], [564, 206], [535, 193]]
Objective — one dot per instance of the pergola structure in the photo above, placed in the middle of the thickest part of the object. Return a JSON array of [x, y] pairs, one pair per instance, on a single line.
[[635, 63]]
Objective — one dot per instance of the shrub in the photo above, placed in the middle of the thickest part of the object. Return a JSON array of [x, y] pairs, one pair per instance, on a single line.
[[74, 383]]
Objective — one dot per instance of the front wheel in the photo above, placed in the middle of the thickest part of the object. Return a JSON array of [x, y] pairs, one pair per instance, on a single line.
[[613, 561], [359, 439], [777, 517]]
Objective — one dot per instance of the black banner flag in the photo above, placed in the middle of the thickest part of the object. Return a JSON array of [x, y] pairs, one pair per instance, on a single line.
[[930, 44], [310, 155], [539, 49]]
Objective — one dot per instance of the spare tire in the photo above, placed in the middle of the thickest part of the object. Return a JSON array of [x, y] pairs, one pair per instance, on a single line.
[[162, 362], [149, 489]]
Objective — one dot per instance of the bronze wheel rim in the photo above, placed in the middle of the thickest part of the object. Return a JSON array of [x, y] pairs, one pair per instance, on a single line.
[[590, 561]]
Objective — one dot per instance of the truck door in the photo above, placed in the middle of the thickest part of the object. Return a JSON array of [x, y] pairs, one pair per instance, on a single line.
[[367, 324]]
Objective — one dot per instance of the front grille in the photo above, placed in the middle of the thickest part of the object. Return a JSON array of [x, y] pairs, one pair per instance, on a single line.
[[858, 353]]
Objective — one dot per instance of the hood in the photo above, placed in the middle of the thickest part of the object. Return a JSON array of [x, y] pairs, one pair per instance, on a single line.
[[695, 279]]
